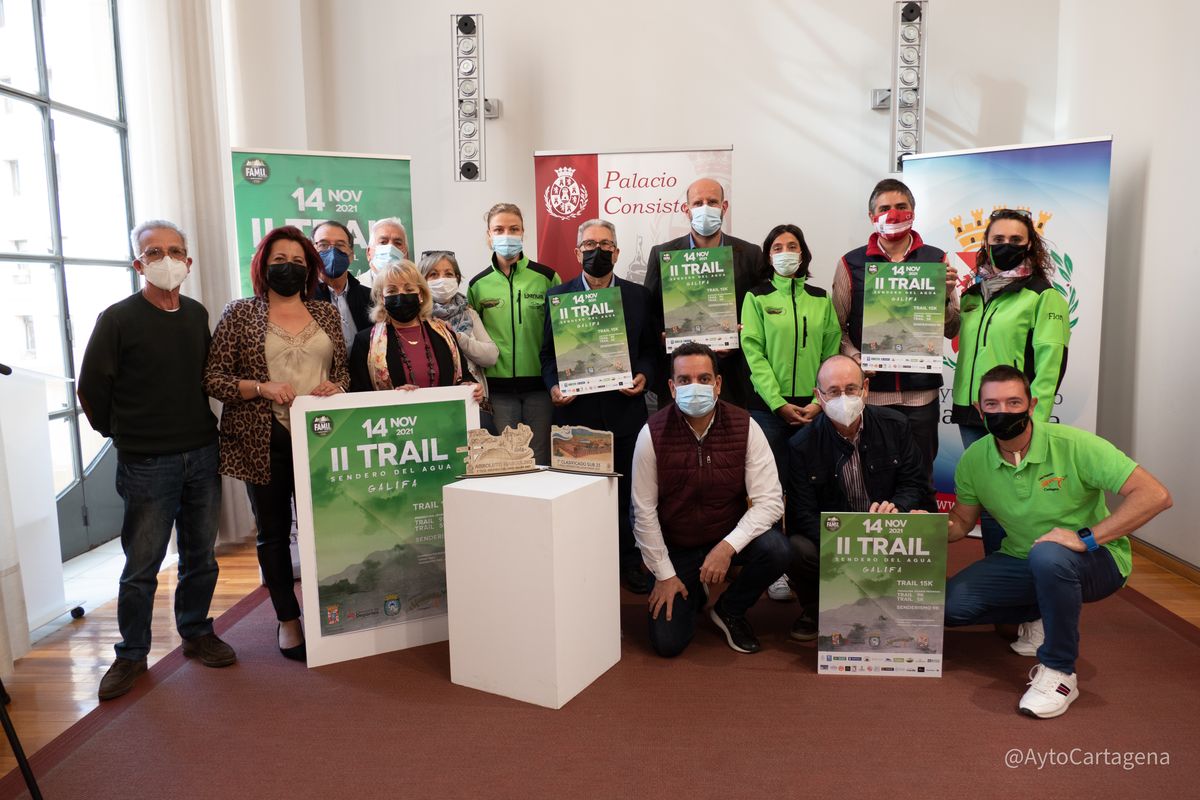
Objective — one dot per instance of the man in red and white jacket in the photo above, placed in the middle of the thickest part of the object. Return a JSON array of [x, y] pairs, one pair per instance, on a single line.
[[916, 395]]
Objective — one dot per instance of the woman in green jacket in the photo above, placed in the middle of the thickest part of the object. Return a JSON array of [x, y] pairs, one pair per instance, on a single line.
[[788, 328], [1012, 315], [510, 299]]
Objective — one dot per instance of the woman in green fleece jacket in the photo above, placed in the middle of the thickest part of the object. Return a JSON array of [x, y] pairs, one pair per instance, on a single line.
[[1012, 315], [788, 328]]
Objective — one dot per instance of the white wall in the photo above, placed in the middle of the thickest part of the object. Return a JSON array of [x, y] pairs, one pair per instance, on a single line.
[[1147, 99], [787, 84]]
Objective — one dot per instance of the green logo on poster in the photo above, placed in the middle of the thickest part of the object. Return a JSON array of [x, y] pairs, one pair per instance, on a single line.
[[322, 425], [255, 171], [833, 524]]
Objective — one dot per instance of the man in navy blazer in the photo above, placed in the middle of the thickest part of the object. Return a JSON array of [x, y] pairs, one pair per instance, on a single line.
[[622, 411], [706, 209]]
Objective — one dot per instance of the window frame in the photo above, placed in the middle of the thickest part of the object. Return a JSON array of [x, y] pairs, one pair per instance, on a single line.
[[47, 106]]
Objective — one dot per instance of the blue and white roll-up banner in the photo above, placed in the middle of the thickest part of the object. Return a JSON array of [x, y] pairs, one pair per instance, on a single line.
[[1065, 188]]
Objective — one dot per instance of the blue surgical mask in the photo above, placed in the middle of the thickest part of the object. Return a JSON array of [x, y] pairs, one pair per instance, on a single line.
[[706, 220], [695, 399], [385, 256], [506, 246], [336, 262]]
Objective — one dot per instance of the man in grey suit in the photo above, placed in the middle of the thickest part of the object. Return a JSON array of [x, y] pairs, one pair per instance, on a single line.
[[706, 209]]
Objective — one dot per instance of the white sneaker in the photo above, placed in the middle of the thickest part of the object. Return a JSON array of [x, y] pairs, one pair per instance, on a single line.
[[1049, 693], [780, 590], [1030, 636]]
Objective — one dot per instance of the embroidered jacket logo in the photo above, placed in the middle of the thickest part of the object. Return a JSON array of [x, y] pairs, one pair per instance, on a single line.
[[1051, 482]]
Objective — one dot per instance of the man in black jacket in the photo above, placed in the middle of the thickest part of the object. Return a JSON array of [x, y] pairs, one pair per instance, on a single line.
[[852, 457], [706, 209], [621, 411], [352, 300]]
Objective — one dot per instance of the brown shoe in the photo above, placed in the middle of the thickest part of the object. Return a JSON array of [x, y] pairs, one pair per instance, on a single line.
[[211, 651], [120, 677]]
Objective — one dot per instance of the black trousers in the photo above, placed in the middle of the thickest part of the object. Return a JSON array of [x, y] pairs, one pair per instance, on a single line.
[[623, 447], [923, 424], [272, 506], [803, 572]]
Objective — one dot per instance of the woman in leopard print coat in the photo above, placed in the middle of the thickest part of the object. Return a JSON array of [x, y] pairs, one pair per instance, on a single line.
[[266, 350]]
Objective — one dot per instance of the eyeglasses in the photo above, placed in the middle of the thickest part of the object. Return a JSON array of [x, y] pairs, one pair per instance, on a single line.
[[157, 253], [1002, 212], [851, 391], [324, 245], [442, 253], [587, 245]]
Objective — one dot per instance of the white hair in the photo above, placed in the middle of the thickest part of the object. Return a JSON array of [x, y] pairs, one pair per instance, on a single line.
[[388, 221], [135, 235], [596, 223]]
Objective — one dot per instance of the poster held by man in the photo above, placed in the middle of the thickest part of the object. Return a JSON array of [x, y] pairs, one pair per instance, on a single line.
[[699, 301], [883, 594], [904, 313], [591, 342]]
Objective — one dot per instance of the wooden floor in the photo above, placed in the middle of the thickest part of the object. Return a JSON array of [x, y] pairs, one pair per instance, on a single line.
[[55, 685]]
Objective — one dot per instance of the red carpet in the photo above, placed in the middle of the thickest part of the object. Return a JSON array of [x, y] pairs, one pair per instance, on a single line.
[[711, 723]]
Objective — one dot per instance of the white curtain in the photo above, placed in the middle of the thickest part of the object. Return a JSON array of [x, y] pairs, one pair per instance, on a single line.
[[175, 93]]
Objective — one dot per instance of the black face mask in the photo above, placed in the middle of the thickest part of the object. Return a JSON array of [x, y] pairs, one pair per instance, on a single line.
[[402, 307], [286, 279], [1007, 256], [597, 263], [1006, 425]]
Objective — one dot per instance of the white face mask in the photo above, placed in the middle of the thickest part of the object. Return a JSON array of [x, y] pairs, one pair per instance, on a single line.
[[443, 289], [786, 264], [844, 409], [166, 273], [385, 256]]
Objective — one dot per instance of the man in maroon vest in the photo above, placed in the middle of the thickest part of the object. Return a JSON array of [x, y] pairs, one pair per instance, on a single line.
[[705, 495]]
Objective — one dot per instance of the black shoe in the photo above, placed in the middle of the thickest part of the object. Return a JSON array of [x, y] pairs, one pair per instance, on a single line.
[[636, 580], [297, 653], [737, 630], [804, 629], [211, 651], [120, 677]]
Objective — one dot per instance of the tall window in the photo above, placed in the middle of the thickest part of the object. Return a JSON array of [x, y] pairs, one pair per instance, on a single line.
[[65, 206]]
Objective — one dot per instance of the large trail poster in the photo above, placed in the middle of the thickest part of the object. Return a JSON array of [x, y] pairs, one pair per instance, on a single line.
[[370, 469], [883, 594]]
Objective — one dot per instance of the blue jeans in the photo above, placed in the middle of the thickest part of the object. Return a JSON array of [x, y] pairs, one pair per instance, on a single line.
[[509, 409], [181, 490], [762, 561], [993, 533], [778, 434], [1053, 584]]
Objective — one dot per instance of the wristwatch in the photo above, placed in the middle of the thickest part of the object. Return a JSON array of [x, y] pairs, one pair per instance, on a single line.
[[1086, 535]]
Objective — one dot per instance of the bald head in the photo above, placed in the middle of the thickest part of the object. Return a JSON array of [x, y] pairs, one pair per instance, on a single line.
[[839, 373], [706, 189]]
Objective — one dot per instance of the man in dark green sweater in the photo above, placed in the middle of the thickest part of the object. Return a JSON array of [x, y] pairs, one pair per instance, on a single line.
[[140, 384]]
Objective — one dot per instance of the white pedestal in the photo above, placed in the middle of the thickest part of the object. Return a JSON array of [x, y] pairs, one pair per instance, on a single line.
[[33, 515], [532, 584]]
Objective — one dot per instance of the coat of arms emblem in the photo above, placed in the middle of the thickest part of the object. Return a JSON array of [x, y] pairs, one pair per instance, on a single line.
[[566, 198]]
